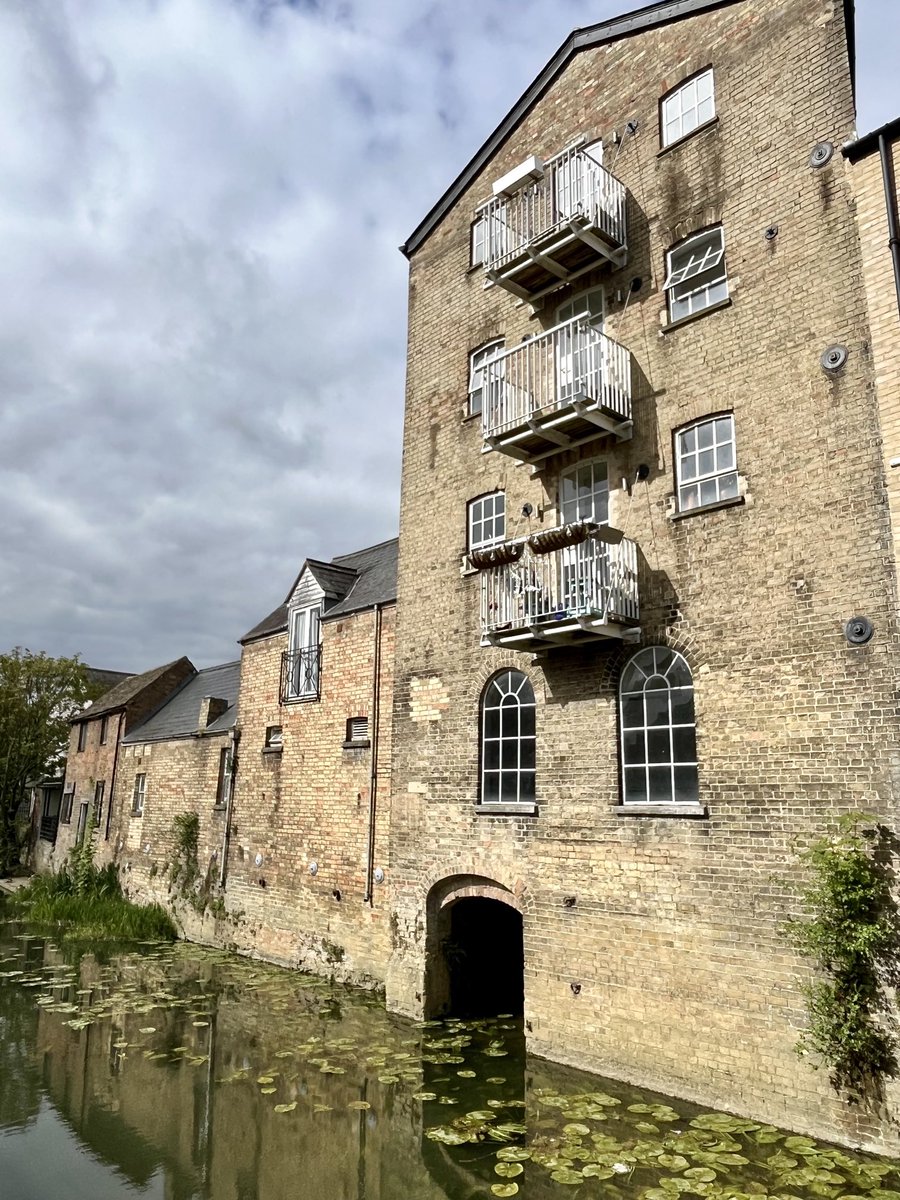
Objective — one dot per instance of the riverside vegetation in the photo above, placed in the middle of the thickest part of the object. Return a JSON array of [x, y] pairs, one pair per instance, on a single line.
[[84, 902]]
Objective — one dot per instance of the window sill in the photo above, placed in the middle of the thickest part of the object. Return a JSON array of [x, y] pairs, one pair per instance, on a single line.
[[300, 699], [733, 502], [689, 320], [507, 810], [220, 808], [710, 124], [661, 810], [360, 745], [272, 749], [469, 417]]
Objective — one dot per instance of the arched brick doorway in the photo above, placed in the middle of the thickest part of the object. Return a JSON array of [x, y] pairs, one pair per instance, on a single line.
[[474, 957]]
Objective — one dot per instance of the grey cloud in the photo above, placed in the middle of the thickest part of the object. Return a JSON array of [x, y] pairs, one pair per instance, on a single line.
[[202, 308]]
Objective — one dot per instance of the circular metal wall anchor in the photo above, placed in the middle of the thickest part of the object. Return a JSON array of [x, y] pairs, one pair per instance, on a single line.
[[379, 875], [821, 154], [834, 357], [858, 631], [258, 860], [313, 868], [771, 233]]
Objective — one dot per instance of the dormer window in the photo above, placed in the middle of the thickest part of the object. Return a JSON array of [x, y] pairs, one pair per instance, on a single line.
[[304, 654]]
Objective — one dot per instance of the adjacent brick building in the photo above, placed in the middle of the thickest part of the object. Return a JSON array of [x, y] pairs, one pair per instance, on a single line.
[[308, 841], [177, 762], [644, 546], [94, 754]]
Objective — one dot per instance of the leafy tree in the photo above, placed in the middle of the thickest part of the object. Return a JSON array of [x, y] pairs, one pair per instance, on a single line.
[[38, 695]]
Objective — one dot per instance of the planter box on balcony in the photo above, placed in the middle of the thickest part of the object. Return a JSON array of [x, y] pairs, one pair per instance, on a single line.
[[494, 556]]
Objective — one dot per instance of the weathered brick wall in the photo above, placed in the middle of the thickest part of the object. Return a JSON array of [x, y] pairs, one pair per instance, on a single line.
[[182, 777], [881, 300], [310, 803], [84, 768], [686, 982]]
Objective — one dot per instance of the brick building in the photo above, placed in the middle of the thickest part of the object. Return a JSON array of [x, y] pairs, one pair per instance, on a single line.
[[628, 688], [94, 754], [308, 840], [176, 762]]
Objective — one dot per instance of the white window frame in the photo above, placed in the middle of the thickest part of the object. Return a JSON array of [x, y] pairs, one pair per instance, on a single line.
[[657, 758], [687, 108], [478, 360], [483, 513], [578, 508], [708, 470], [139, 794], [274, 737], [510, 694], [696, 275], [306, 635]]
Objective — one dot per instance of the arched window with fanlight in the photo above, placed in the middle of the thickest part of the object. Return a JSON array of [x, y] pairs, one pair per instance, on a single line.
[[657, 729], [507, 740]]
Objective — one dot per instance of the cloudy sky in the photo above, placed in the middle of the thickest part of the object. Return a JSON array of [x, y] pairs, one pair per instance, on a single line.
[[202, 305]]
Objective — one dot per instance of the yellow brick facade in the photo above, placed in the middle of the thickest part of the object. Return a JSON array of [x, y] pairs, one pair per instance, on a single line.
[[654, 948]]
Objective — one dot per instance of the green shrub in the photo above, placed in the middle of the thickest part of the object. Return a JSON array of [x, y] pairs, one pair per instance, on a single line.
[[850, 930]]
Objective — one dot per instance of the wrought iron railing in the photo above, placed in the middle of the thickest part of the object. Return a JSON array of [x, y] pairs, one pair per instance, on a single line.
[[48, 828], [300, 673], [592, 579], [574, 190], [573, 361]]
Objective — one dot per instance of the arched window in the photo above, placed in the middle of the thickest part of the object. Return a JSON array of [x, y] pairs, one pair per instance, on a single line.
[[656, 721], [507, 740]]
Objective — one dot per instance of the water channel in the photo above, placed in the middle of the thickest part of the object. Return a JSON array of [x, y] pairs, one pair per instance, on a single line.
[[178, 1073]]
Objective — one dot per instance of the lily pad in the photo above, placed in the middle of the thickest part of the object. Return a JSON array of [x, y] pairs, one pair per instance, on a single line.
[[513, 1154], [508, 1170], [286, 1108], [566, 1175], [505, 1189]]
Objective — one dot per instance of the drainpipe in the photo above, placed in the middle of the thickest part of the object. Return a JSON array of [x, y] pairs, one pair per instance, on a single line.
[[890, 201], [373, 776], [235, 738], [112, 781]]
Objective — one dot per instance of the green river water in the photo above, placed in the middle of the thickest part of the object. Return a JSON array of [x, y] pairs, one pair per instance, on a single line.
[[175, 1072]]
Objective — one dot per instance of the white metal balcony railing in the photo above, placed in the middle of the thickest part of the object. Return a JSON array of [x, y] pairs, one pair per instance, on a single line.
[[300, 673], [588, 588], [572, 366], [575, 190]]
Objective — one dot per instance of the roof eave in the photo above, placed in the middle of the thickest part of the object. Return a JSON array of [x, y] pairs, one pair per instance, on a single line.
[[627, 25]]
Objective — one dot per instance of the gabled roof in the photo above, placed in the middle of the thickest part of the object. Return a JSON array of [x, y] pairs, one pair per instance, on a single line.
[[97, 677], [334, 581], [123, 693], [627, 25], [376, 578], [353, 581], [178, 716]]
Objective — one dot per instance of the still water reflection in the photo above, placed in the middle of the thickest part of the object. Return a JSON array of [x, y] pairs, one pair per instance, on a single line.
[[177, 1072]]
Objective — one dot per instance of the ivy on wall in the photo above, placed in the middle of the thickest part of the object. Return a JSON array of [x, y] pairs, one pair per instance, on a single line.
[[850, 930]]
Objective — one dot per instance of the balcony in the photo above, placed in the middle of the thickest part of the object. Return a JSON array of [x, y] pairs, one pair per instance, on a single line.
[[300, 673], [538, 593], [570, 219], [555, 391]]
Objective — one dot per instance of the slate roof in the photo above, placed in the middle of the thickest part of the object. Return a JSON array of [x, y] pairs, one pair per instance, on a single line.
[[178, 717], [626, 25], [97, 677], [355, 581], [126, 691], [376, 578]]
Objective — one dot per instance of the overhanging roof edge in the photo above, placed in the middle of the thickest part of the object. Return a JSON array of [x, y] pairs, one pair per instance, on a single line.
[[626, 25]]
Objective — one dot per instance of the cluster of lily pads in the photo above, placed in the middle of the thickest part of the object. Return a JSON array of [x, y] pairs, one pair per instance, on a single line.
[[468, 1078], [653, 1152]]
